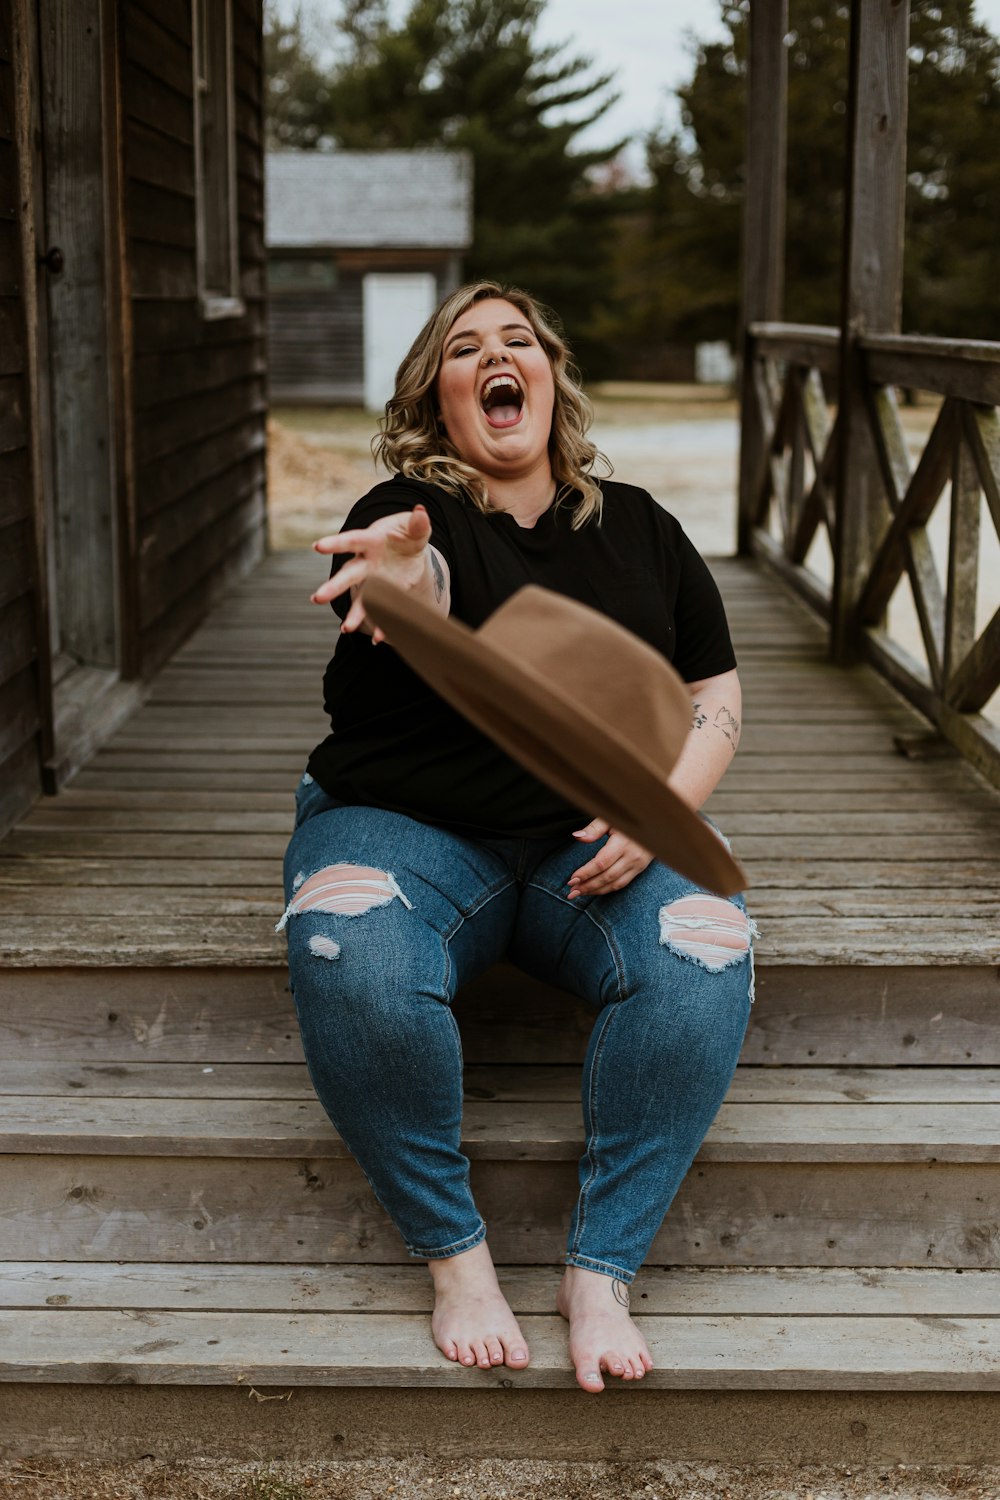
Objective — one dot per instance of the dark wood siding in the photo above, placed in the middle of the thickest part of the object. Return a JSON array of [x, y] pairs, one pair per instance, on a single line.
[[20, 694], [316, 339], [198, 386], [316, 343]]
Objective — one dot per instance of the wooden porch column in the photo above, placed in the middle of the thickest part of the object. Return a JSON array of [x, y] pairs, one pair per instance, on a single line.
[[763, 222], [871, 288]]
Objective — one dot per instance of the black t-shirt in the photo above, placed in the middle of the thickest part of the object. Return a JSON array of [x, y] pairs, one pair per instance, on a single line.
[[396, 744]]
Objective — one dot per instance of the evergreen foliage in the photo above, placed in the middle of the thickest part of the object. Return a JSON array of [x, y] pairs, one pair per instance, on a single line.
[[470, 74], [678, 257]]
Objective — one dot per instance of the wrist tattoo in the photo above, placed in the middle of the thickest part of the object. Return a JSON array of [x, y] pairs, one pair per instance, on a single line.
[[620, 1292], [729, 725], [699, 718], [438, 572]]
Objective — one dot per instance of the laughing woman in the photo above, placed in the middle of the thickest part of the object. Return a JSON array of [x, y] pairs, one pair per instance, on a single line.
[[422, 854]]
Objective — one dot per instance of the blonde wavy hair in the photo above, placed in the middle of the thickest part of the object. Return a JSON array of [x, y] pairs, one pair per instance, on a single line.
[[411, 440]]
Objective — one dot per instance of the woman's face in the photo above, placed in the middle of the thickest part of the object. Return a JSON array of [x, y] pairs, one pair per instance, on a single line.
[[495, 390]]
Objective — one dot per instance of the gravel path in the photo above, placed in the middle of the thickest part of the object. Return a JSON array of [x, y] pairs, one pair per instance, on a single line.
[[490, 1479]]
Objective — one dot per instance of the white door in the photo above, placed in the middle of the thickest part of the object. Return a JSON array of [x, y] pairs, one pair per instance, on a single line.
[[396, 307]]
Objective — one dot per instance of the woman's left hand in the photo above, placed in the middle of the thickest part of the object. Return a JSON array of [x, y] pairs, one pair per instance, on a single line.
[[613, 867]]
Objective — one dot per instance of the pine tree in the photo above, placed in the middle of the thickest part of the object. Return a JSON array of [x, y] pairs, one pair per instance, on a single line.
[[680, 252], [471, 74]]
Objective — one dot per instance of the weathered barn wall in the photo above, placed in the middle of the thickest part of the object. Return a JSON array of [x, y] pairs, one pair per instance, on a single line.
[[20, 693], [198, 384]]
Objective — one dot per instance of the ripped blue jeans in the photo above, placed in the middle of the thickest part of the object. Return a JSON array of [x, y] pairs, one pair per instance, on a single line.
[[386, 918]]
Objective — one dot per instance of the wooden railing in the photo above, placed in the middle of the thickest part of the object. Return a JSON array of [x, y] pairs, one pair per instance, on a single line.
[[792, 489]]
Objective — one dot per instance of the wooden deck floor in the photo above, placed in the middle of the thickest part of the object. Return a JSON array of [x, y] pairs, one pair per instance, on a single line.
[[166, 848]]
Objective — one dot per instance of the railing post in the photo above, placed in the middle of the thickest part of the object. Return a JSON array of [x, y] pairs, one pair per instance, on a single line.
[[763, 224], [871, 288]]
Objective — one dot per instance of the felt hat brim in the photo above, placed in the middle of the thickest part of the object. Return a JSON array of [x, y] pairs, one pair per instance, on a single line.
[[556, 734]]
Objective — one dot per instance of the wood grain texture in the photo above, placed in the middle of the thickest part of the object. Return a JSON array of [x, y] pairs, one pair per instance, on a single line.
[[307, 1209], [858, 857], [663, 1291], [516, 1130], [261, 1348]]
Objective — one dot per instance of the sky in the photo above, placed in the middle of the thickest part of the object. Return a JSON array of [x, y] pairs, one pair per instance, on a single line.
[[649, 45], [646, 42]]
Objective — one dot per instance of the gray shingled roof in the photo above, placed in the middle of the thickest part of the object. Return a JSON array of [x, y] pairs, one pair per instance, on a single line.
[[365, 199]]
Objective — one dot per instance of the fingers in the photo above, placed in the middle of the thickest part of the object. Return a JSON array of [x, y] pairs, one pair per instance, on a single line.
[[613, 868], [595, 829], [344, 579], [355, 616]]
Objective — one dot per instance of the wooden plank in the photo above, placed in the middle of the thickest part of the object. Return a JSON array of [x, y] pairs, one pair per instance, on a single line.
[[497, 1083], [158, 50], [513, 1130], [763, 270], [162, 271], [158, 328], [300, 1210], [217, 449], [159, 160], [157, 216], [262, 1348], [173, 526], [13, 418], [160, 639], [19, 711], [802, 848], [875, 193], [947, 372], [804, 1015], [15, 487], [140, 817], [152, 102], [180, 374], [734, 1291]]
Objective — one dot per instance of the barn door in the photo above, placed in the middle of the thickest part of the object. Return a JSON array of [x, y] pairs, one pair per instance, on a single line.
[[78, 459]]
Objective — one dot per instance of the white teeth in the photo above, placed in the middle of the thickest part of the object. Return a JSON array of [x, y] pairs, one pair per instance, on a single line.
[[496, 380]]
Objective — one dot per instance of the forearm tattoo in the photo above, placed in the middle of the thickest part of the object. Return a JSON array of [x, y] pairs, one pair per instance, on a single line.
[[438, 572], [620, 1291], [725, 721], [729, 725]]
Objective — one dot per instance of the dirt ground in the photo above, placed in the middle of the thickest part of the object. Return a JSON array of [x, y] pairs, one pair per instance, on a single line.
[[679, 442], [493, 1479]]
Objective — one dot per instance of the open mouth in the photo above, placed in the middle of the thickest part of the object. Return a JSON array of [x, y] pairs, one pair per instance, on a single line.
[[502, 400]]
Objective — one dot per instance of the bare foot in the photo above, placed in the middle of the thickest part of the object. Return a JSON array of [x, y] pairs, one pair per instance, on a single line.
[[602, 1336], [472, 1320]]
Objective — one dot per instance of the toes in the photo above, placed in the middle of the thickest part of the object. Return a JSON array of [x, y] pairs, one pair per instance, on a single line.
[[448, 1350], [466, 1354], [516, 1355], [495, 1351], [590, 1380], [482, 1355]]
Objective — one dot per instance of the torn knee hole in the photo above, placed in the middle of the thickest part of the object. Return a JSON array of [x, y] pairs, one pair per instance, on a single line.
[[713, 932], [347, 890]]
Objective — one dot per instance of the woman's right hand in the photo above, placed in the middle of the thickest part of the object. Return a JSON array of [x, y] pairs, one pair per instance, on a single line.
[[395, 547]]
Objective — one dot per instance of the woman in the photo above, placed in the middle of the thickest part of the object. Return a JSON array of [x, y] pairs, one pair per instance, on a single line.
[[423, 854]]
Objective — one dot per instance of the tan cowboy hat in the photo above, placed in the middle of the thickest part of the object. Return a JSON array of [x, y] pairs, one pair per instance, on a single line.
[[576, 699]]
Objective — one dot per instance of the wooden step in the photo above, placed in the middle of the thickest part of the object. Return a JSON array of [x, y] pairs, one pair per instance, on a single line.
[[815, 1175], [868, 1016], [774, 1330], [536, 1129]]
